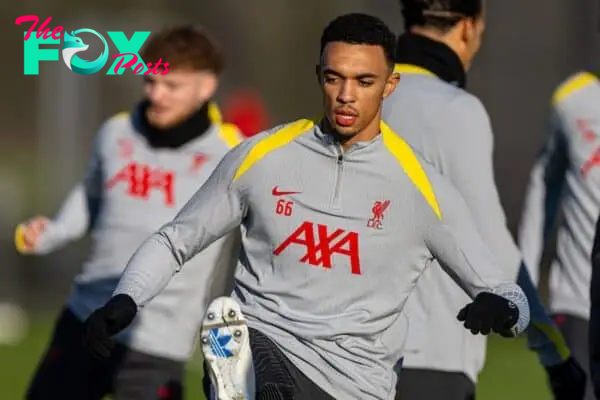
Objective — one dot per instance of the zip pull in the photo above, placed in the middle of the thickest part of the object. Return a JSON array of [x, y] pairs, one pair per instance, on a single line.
[[339, 168]]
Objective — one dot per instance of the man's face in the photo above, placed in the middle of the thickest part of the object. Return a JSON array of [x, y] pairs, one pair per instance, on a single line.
[[355, 79], [177, 95]]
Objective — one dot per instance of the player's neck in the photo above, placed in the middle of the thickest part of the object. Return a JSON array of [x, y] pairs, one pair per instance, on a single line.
[[434, 55], [370, 132], [194, 126]]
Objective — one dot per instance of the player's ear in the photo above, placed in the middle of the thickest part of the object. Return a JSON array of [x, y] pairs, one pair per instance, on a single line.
[[391, 83], [207, 86], [470, 30], [466, 31]]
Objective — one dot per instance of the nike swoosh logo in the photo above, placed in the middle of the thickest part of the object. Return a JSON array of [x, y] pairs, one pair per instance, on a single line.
[[277, 192]]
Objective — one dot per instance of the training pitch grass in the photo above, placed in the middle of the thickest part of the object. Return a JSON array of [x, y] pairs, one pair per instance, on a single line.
[[511, 371]]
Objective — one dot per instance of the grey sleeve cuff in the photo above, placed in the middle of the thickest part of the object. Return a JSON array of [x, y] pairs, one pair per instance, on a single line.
[[514, 293]]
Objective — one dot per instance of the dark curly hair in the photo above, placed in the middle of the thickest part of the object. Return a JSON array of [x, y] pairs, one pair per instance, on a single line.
[[184, 47], [439, 14], [359, 28]]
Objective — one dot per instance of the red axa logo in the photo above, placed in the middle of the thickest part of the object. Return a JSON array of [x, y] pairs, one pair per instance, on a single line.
[[321, 245], [376, 220], [141, 179], [586, 132], [590, 163]]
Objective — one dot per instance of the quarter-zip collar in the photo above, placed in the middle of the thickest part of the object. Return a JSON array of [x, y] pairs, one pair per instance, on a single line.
[[331, 142]]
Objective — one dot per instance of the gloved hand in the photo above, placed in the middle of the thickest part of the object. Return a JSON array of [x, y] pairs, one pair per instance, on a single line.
[[107, 321], [567, 380], [490, 313]]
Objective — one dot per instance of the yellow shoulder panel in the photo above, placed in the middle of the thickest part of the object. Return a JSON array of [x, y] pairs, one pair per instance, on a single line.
[[122, 114], [572, 85], [273, 142], [230, 134], [214, 113], [412, 69], [411, 165]]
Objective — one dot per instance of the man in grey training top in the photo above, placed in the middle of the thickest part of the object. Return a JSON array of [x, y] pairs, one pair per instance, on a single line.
[[432, 110], [144, 168], [340, 218]]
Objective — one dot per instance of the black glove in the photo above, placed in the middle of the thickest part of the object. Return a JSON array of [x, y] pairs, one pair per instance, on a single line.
[[490, 313], [567, 380], [107, 321]]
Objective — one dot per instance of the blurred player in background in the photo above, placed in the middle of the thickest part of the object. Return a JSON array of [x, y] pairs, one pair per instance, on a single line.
[[432, 110], [144, 168], [340, 219], [565, 180]]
